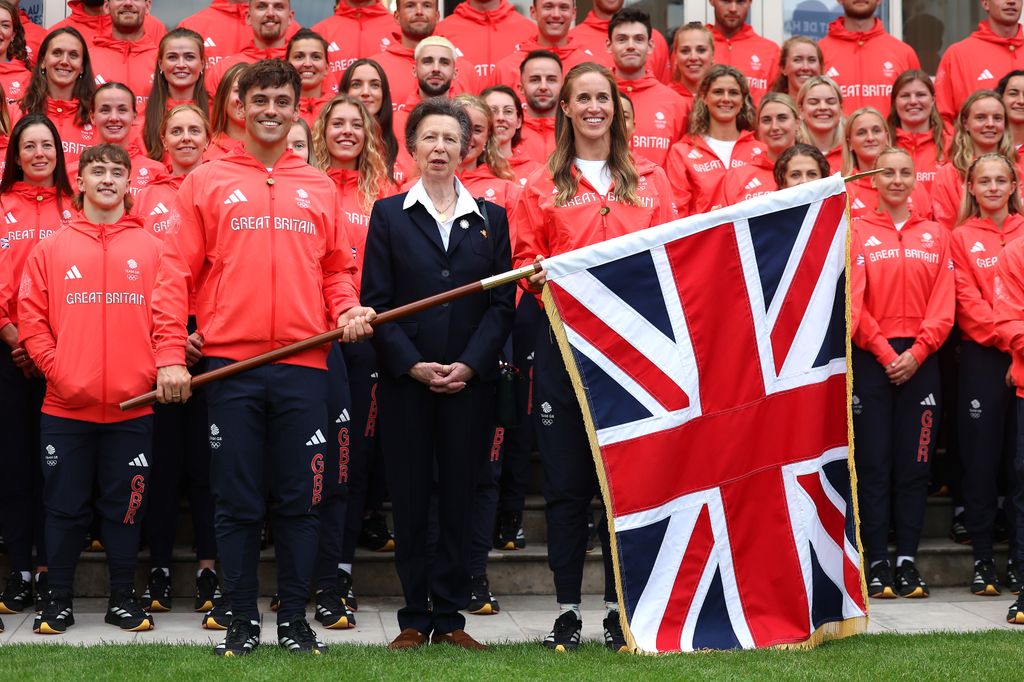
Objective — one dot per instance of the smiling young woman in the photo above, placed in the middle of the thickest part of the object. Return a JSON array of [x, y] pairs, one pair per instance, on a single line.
[[915, 124]]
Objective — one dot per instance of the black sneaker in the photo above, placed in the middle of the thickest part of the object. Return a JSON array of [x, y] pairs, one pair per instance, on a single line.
[[207, 591], [880, 584], [909, 583], [1, 624], [345, 590], [275, 602], [157, 596], [565, 634], [17, 594], [1012, 580], [958, 531], [508, 531], [331, 611], [1016, 613], [126, 611], [243, 636], [375, 535], [57, 615], [986, 582], [481, 601], [218, 618], [614, 640], [42, 588], [297, 636]]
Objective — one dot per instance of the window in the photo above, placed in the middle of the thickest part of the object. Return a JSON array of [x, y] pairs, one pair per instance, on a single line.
[[933, 25], [812, 17]]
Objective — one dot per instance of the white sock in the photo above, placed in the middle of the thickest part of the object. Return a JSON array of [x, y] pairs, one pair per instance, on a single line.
[[199, 571], [575, 608], [901, 559], [26, 576], [166, 571], [346, 567], [957, 511], [875, 563]]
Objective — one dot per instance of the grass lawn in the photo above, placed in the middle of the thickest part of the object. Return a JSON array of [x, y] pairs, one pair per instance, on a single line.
[[974, 656]]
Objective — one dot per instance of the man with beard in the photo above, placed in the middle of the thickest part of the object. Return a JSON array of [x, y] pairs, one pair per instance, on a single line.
[[435, 71], [270, 21], [862, 58], [737, 45], [554, 19], [358, 28], [224, 28], [540, 82], [117, 58], [417, 20], [91, 18]]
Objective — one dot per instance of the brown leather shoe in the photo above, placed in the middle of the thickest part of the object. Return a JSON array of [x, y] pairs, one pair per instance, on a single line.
[[459, 638], [408, 639]]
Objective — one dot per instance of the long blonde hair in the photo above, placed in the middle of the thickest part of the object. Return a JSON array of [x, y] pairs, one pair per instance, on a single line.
[[620, 161], [491, 154], [961, 151], [850, 162], [814, 81], [700, 117], [373, 172], [969, 207]]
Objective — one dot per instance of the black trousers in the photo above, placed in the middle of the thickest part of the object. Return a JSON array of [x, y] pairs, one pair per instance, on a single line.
[[77, 458], [570, 475], [268, 437], [894, 430], [419, 431], [987, 427], [337, 459], [485, 507], [1017, 501], [21, 504]]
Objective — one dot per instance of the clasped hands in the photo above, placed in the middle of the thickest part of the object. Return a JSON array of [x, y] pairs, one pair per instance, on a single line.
[[442, 378]]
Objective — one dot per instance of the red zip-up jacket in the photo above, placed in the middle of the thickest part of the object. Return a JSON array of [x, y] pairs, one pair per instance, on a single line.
[[123, 61], [522, 163], [355, 217], [865, 65], [660, 116], [695, 172], [144, 169], [543, 229], [74, 138], [34, 34], [266, 254], [399, 65], [309, 107], [537, 137], [30, 215], [757, 58], [86, 319], [14, 78], [154, 203], [902, 286], [975, 63], [1008, 308], [864, 199], [91, 26], [249, 54], [593, 33], [482, 184], [224, 29], [356, 32], [571, 54], [925, 154], [485, 38], [746, 182], [221, 146], [977, 246]]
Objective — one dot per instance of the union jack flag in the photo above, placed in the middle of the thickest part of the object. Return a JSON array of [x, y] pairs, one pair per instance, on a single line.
[[709, 356]]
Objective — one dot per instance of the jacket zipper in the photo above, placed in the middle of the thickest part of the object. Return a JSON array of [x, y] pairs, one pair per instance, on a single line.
[[273, 264], [103, 326]]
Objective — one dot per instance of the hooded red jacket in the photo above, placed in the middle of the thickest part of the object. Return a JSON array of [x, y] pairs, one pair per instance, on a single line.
[[543, 229], [485, 38], [975, 63], [902, 285], [31, 214], [224, 29], [74, 138], [355, 216], [695, 172], [864, 199], [124, 62], [593, 33], [865, 65], [144, 169], [1008, 309], [154, 203], [522, 163], [977, 246], [398, 63], [537, 136], [249, 54], [660, 116], [757, 58], [14, 78], [746, 182], [356, 32], [266, 254], [91, 26], [34, 33], [571, 54], [482, 184], [86, 319], [925, 154]]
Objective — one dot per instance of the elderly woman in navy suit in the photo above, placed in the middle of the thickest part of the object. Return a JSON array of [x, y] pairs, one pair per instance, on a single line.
[[439, 367]]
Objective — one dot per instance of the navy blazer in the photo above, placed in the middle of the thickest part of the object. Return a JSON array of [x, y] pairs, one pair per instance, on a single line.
[[406, 261]]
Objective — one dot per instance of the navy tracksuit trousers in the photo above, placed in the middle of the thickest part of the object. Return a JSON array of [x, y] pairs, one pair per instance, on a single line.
[[337, 459], [78, 457], [268, 437]]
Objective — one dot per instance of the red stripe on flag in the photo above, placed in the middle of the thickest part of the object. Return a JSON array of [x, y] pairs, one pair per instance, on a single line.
[[806, 278], [691, 568], [708, 273], [766, 564], [835, 525], [620, 352], [709, 451]]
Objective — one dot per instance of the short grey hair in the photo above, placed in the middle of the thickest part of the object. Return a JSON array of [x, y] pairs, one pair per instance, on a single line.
[[438, 106]]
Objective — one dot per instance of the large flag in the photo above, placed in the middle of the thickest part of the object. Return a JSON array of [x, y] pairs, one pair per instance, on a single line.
[[709, 356]]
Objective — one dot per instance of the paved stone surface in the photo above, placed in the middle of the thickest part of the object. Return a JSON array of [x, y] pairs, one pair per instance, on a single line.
[[523, 618]]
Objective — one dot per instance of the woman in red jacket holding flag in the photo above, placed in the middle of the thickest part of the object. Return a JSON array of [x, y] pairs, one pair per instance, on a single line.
[[902, 299], [990, 219], [86, 321], [590, 191]]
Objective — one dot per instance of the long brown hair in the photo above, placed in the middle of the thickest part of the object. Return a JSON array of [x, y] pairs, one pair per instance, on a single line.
[[781, 83], [700, 117], [491, 154], [371, 165], [34, 101], [969, 207], [961, 150], [620, 161], [934, 119], [156, 107], [17, 49], [219, 107]]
